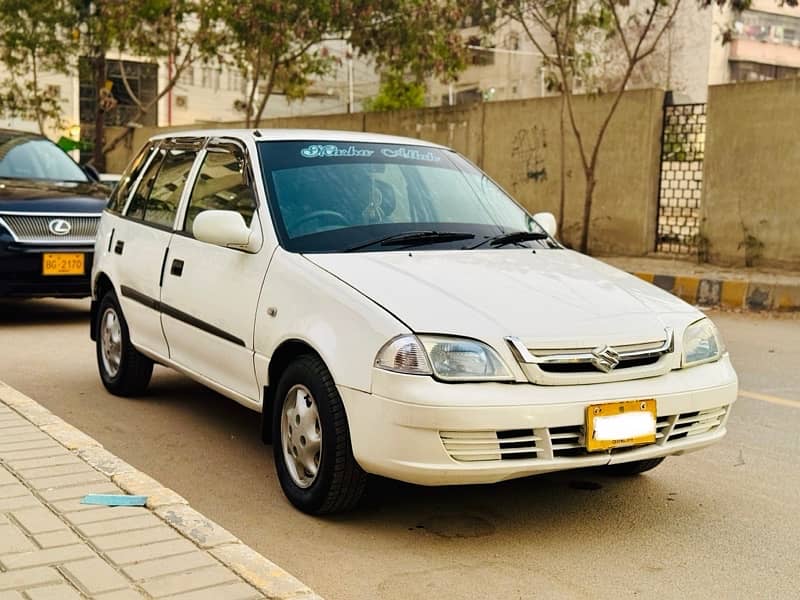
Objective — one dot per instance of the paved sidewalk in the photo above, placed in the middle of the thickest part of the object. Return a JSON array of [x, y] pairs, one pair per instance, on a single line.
[[709, 285], [52, 547]]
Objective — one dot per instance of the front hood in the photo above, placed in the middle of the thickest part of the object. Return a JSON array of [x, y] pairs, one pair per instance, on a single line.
[[556, 298], [51, 196]]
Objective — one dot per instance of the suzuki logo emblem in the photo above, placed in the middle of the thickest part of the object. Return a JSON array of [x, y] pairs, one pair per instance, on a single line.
[[59, 227], [605, 358]]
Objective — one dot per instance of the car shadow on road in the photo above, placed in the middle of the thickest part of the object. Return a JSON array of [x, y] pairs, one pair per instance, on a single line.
[[48, 311]]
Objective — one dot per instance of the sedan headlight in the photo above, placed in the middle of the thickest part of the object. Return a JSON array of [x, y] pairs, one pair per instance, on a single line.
[[702, 343], [448, 358]]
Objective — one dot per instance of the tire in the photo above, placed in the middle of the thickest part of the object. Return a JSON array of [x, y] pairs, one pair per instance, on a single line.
[[123, 369], [633, 468], [309, 424]]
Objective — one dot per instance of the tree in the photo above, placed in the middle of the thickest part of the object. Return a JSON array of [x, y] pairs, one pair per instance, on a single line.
[[396, 94], [96, 35], [180, 32], [572, 35], [273, 44], [34, 39], [565, 32], [279, 45]]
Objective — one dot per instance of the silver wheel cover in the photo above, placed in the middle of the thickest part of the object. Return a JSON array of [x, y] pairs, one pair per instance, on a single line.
[[110, 341], [301, 436]]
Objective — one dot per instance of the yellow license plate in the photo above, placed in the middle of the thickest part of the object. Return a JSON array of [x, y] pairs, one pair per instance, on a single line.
[[63, 263], [620, 424]]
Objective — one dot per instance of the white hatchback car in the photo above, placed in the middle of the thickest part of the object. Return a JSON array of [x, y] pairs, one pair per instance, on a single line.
[[390, 310]]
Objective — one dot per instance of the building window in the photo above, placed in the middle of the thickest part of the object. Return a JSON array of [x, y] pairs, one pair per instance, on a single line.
[[751, 71], [236, 82], [768, 28], [142, 82], [187, 76], [206, 74]]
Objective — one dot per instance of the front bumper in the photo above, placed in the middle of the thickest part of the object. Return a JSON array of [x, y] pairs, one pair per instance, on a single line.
[[21, 272], [444, 434]]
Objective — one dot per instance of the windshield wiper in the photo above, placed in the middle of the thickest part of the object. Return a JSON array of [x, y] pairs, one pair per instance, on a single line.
[[512, 238], [415, 238]]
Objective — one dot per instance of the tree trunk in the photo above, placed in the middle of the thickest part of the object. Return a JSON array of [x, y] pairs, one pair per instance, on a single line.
[[98, 156], [587, 211]]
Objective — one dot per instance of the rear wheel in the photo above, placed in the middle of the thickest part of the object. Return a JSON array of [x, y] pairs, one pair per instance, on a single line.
[[311, 441], [123, 369], [633, 468]]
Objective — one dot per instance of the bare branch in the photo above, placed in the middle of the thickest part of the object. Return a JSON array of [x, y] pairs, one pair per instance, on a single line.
[[618, 25], [128, 85]]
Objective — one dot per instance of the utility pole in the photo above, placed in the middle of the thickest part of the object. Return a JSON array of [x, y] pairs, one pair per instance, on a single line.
[[350, 94]]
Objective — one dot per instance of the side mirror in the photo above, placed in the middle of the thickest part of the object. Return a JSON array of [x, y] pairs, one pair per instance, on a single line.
[[548, 222], [221, 227]]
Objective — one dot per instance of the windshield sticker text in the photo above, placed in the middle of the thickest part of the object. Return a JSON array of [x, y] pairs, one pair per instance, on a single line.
[[410, 154], [333, 151]]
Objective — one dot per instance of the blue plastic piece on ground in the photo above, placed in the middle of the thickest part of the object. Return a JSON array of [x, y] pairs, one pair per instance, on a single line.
[[114, 500]]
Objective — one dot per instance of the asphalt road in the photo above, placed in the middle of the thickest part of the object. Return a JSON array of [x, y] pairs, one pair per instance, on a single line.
[[720, 523]]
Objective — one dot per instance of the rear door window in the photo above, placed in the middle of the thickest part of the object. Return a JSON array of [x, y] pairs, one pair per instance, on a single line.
[[165, 195], [157, 197]]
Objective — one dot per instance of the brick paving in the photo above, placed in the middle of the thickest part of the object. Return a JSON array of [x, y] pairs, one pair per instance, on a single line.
[[54, 547]]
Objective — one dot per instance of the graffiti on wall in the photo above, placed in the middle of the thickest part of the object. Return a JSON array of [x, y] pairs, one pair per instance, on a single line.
[[528, 151]]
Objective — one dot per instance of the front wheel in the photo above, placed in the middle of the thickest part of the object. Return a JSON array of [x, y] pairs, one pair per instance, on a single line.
[[633, 468], [311, 441], [124, 370]]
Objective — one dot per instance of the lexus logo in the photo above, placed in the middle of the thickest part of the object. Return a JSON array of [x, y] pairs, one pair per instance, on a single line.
[[59, 227], [605, 358]]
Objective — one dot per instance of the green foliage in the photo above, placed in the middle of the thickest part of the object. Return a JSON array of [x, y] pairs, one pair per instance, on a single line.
[[33, 35], [396, 94], [419, 37], [277, 44]]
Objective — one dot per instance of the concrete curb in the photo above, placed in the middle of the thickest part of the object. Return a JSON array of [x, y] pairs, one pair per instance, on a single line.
[[267, 577], [728, 293]]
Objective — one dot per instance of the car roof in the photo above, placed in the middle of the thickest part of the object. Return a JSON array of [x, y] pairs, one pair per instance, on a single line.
[[275, 135]]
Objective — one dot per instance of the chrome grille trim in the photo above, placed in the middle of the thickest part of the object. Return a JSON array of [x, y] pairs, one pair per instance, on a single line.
[[584, 355], [567, 441], [33, 228], [576, 366]]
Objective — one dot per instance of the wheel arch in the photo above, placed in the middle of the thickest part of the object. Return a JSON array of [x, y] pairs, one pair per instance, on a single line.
[[286, 352], [101, 285]]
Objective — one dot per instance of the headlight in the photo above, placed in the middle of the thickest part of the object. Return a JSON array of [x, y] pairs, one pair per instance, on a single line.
[[448, 358], [702, 343]]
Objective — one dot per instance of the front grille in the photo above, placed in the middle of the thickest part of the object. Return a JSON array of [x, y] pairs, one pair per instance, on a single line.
[[565, 442], [27, 229], [471, 446], [590, 368], [600, 364], [697, 423]]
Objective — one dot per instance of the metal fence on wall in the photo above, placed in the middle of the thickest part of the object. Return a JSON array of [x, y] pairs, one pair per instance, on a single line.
[[681, 185]]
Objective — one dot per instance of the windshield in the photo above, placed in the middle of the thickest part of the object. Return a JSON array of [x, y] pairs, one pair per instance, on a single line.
[[339, 196], [29, 156]]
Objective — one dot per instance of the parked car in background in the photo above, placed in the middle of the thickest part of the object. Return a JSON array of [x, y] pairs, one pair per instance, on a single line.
[[49, 212], [390, 310]]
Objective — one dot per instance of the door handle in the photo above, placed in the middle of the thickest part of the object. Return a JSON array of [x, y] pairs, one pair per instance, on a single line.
[[176, 268], [118, 248]]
